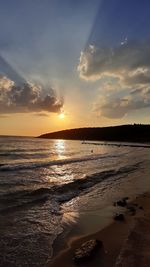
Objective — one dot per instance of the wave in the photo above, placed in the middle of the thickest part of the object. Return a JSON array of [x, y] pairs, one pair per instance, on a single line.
[[23, 150], [62, 193], [27, 155], [32, 165]]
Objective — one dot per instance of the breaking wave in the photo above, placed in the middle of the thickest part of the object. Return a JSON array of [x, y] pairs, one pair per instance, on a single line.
[[64, 192]]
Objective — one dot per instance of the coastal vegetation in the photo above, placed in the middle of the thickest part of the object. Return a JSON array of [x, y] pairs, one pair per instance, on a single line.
[[122, 133]]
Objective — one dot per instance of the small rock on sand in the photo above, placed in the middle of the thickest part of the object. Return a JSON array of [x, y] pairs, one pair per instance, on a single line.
[[86, 250], [119, 217]]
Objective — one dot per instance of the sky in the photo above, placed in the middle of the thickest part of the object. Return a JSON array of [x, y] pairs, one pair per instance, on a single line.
[[88, 60]]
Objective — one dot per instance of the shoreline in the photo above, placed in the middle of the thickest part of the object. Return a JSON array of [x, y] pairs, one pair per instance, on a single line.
[[114, 238]]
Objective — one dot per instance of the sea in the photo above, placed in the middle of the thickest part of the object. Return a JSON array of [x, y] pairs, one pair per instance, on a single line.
[[48, 187]]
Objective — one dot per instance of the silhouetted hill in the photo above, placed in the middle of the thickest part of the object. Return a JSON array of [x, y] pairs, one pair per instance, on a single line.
[[125, 133]]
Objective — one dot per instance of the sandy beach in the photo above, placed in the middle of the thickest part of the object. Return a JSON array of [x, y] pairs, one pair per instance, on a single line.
[[125, 243]]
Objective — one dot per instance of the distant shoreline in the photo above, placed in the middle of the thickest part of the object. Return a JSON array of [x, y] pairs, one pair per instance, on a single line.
[[137, 133], [144, 145]]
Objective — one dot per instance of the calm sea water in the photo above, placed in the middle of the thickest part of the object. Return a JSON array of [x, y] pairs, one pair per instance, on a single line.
[[47, 184]]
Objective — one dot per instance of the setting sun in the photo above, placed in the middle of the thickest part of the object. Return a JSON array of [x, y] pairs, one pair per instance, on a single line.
[[61, 116]]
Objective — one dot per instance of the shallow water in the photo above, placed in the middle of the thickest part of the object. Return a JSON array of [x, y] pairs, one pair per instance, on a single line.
[[48, 184]]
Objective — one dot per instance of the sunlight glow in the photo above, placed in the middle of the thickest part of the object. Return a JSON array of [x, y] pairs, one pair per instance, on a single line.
[[61, 116]]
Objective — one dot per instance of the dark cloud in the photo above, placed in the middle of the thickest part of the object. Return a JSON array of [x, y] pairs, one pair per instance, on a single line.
[[27, 98]]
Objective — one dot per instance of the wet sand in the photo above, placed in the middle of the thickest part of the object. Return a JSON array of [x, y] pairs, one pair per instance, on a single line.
[[125, 243]]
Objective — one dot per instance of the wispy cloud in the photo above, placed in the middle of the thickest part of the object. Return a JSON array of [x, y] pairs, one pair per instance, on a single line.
[[41, 114]]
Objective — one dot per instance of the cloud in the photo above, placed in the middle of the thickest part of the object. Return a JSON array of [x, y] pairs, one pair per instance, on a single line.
[[41, 114], [3, 116], [27, 97], [128, 69], [113, 106], [128, 61]]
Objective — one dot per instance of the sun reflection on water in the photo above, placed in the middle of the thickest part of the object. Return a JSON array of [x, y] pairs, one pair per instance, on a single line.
[[62, 173], [60, 148]]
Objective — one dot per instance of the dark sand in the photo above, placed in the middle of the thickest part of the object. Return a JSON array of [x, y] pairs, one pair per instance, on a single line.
[[125, 244]]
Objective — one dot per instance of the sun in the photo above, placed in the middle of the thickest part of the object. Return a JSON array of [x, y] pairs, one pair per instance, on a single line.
[[61, 116]]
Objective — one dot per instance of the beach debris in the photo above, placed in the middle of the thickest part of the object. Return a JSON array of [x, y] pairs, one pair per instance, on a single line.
[[132, 209], [126, 198], [86, 250], [122, 202], [135, 204], [119, 217]]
